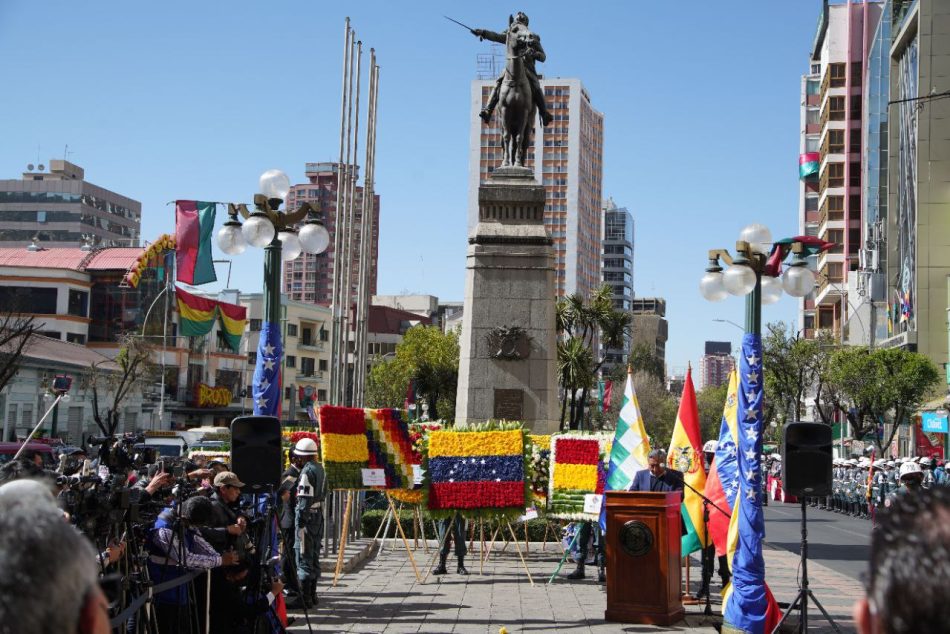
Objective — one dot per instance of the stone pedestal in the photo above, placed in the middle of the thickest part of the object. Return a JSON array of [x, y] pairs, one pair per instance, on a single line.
[[508, 344]]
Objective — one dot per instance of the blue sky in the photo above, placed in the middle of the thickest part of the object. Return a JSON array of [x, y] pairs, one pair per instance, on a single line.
[[193, 100]]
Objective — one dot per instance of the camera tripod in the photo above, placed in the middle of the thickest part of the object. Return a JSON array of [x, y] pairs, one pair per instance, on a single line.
[[801, 600]]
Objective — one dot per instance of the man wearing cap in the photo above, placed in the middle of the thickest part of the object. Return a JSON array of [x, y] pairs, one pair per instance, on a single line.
[[225, 525], [308, 520]]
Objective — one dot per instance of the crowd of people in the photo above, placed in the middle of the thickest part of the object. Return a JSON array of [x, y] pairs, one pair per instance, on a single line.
[[150, 548], [861, 486]]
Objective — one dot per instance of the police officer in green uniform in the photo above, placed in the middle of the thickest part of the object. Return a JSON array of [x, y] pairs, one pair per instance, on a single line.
[[308, 520]]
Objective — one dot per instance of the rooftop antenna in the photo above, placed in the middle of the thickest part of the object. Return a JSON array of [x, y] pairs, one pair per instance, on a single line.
[[66, 153]]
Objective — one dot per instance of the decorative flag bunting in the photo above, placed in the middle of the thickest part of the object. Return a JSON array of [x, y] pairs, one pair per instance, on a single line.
[[267, 376], [608, 394], [577, 470], [781, 248], [722, 483], [476, 471], [197, 316], [630, 447], [808, 164], [194, 223], [748, 605], [686, 455]]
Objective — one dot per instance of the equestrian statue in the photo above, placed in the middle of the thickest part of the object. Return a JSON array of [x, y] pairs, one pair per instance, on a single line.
[[517, 92]]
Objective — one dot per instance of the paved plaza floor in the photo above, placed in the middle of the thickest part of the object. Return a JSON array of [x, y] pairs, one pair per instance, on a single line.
[[382, 595]]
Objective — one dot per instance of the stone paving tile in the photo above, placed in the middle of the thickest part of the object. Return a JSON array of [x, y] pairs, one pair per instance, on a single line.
[[383, 596]]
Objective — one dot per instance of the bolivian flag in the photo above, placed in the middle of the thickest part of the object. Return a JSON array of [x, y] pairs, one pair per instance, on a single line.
[[198, 314], [686, 455]]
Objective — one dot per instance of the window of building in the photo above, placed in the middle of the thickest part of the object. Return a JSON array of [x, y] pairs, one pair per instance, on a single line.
[[854, 177], [856, 71], [252, 357], [75, 337], [322, 395], [836, 204], [836, 108], [52, 334], [854, 141], [323, 365], [835, 141], [324, 334], [811, 203], [255, 325], [854, 240], [306, 366], [28, 299], [78, 303], [836, 236], [812, 116], [856, 107], [837, 72], [836, 175], [291, 361], [835, 271], [826, 319], [307, 338], [812, 87], [812, 142], [291, 330], [854, 207]]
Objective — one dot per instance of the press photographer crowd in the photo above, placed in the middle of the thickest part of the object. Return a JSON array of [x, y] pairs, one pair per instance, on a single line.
[[121, 539]]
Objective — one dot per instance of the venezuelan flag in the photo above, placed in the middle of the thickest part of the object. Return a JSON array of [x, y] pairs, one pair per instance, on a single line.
[[722, 483], [476, 470]]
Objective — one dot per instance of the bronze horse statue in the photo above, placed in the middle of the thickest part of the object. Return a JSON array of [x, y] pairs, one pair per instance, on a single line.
[[516, 107]]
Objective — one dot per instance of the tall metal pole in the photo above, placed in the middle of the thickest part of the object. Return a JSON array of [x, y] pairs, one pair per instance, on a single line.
[[337, 233], [366, 235], [272, 270], [339, 260], [348, 248]]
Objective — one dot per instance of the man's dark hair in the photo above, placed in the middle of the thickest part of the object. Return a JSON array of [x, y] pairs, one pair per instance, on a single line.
[[197, 510], [910, 563]]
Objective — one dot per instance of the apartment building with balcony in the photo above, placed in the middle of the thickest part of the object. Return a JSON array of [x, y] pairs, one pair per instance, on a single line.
[[649, 325], [832, 98]]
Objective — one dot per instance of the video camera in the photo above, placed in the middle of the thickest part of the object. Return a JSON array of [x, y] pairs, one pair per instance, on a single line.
[[120, 453]]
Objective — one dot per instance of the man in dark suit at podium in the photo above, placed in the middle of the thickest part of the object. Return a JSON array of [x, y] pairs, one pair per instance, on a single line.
[[656, 477]]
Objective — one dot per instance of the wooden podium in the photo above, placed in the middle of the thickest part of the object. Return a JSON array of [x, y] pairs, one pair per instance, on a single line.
[[643, 557]]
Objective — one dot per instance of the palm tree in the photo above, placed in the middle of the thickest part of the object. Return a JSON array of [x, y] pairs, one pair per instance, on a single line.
[[581, 323]]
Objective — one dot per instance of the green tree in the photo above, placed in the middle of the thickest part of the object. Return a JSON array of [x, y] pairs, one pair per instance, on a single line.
[[870, 387], [426, 356], [793, 369], [710, 402], [658, 408], [642, 358], [580, 324]]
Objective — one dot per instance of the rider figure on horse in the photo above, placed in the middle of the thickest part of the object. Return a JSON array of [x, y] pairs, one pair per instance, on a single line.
[[534, 52]]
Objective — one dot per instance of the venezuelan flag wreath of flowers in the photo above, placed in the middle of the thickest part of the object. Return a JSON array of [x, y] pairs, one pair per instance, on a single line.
[[577, 470], [477, 471]]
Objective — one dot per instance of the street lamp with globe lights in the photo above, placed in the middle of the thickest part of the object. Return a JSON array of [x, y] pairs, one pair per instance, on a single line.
[[753, 273], [273, 230]]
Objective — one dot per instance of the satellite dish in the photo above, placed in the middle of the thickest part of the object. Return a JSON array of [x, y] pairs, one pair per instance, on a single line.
[[29, 167], [41, 167]]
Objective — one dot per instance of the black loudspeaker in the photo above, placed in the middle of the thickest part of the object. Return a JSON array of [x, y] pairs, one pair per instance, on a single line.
[[806, 459], [256, 452]]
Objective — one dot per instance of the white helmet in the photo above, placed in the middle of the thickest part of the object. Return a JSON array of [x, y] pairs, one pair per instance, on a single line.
[[926, 460], [909, 468], [306, 447], [711, 446], [852, 462], [879, 463], [891, 464]]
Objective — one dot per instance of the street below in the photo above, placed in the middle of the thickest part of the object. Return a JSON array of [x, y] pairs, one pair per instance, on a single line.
[[839, 542]]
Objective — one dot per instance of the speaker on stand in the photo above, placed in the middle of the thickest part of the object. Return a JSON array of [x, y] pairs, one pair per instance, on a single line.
[[256, 452], [806, 471]]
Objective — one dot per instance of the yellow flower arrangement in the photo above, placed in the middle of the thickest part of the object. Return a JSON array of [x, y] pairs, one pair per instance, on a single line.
[[493, 443], [345, 448], [407, 496], [541, 441], [575, 477]]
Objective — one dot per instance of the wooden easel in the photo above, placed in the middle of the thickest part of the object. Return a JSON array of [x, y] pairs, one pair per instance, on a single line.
[[391, 512]]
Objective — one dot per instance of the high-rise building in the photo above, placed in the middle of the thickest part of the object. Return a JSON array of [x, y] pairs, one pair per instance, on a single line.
[[309, 278], [831, 159], [618, 269], [649, 325], [917, 195], [716, 364], [59, 208], [567, 158]]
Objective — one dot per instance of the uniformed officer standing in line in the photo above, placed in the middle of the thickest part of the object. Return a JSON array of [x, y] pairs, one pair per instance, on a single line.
[[836, 485], [288, 511], [926, 466], [311, 491], [878, 484], [891, 484], [911, 479]]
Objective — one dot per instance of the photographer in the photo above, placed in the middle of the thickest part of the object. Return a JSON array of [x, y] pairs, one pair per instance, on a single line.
[[225, 532], [241, 615], [174, 543], [46, 562]]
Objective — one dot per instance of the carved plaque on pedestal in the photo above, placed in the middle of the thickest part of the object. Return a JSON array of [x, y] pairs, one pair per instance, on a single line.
[[509, 405]]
